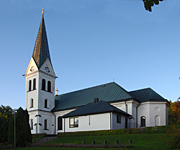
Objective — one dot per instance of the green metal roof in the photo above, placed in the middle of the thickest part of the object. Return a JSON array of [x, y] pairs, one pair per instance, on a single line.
[[95, 108], [107, 92], [145, 95], [41, 48], [110, 92]]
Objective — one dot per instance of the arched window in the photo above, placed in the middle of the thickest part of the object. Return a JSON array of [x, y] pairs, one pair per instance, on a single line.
[[59, 123], [143, 121], [31, 106], [43, 84], [45, 103], [157, 121], [49, 86], [34, 84], [31, 124], [45, 124], [29, 85]]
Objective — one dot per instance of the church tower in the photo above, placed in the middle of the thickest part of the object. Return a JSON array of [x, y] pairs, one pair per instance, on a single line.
[[40, 86]]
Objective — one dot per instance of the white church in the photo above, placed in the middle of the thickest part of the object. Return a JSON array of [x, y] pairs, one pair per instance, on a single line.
[[102, 107]]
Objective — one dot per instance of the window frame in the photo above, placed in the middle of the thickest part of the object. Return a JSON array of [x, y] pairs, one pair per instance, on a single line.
[[31, 103], [30, 85], [74, 122], [43, 87], [31, 124], [60, 123], [45, 124], [49, 86], [118, 118], [34, 84], [45, 103], [143, 121]]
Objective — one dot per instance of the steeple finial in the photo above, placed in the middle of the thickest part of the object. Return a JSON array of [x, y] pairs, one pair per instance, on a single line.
[[42, 11]]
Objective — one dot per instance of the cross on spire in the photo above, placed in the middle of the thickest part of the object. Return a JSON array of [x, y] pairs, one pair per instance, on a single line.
[[42, 11]]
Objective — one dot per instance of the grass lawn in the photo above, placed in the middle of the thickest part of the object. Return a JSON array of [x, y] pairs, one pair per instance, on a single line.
[[140, 141], [57, 148]]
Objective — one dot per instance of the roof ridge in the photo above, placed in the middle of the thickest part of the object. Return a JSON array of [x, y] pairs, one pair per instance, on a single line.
[[157, 93], [123, 89], [87, 88], [141, 89]]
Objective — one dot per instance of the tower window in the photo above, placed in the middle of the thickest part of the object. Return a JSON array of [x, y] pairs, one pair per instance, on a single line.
[[59, 123], [31, 124], [45, 124], [49, 86], [29, 85], [34, 84], [31, 106], [43, 84], [45, 103]]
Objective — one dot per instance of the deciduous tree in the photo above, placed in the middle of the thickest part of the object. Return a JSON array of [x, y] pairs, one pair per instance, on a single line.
[[149, 3], [5, 117], [174, 112]]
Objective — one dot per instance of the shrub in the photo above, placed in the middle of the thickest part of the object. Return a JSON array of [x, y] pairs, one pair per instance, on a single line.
[[173, 135], [147, 130], [36, 137]]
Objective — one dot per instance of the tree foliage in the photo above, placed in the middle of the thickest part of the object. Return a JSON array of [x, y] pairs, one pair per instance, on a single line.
[[5, 117], [149, 3], [23, 132], [173, 137], [174, 112]]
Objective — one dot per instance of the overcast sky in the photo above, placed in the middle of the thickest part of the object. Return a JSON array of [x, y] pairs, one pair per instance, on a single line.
[[92, 42]]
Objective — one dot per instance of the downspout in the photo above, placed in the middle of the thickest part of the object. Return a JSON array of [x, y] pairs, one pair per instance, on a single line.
[[126, 107], [110, 120], [64, 125], [54, 123], [126, 122]]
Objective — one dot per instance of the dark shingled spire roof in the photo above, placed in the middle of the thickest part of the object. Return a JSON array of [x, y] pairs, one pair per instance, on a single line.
[[41, 48]]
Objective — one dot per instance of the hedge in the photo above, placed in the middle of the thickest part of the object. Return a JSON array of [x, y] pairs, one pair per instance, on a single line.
[[147, 130]]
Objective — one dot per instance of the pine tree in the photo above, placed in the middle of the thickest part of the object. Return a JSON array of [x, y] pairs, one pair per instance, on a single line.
[[11, 131], [23, 132], [27, 129]]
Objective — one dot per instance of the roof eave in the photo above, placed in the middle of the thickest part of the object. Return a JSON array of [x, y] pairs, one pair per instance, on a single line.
[[125, 114]]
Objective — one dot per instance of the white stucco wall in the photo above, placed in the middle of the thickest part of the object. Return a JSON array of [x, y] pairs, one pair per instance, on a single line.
[[60, 114], [116, 125], [37, 119], [90, 123], [44, 94], [155, 113], [39, 96], [120, 105], [131, 109], [33, 94]]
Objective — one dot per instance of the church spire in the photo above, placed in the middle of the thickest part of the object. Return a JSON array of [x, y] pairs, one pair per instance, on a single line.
[[41, 48]]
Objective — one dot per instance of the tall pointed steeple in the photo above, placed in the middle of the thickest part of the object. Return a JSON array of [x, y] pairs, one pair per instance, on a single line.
[[41, 48]]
